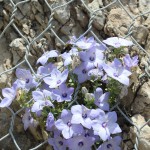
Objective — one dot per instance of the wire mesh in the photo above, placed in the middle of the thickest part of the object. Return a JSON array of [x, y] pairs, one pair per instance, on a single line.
[[49, 27]]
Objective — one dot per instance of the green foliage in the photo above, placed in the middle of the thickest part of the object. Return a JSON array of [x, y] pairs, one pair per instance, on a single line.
[[113, 87], [23, 98]]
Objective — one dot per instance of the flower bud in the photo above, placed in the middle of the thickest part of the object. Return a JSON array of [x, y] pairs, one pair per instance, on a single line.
[[84, 90]]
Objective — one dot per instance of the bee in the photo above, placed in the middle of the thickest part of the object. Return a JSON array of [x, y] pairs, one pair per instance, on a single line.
[[67, 48]]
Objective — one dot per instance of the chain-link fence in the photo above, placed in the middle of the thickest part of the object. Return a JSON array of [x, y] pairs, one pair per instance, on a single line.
[[89, 30]]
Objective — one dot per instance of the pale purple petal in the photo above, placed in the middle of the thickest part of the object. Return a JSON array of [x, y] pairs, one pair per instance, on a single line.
[[67, 133], [44, 58], [117, 42], [36, 107], [114, 128], [50, 121], [60, 125], [76, 109], [23, 74], [6, 102], [77, 119], [112, 116], [37, 95], [9, 93]]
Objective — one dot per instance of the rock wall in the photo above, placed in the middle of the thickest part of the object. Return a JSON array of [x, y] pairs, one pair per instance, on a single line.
[[32, 17]]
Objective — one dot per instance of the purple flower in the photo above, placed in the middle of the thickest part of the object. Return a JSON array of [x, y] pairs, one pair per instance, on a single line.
[[57, 142], [90, 133], [96, 73], [93, 57], [95, 113], [9, 95], [106, 125], [83, 43], [101, 47], [64, 124], [101, 100], [26, 77], [112, 144], [50, 121], [80, 143], [68, 56], [81, 115], [82, 72], [44, 58], [56, 78], [130, 62], [117, 42], [63, 93], [28, 120], [117, 72], [41, 99], [45, 70], [19, 84]]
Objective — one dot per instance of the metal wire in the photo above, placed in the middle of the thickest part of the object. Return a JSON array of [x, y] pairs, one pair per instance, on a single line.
[[89, 30]]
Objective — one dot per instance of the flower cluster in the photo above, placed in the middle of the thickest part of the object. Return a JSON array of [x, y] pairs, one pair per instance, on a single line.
[[75, 117]]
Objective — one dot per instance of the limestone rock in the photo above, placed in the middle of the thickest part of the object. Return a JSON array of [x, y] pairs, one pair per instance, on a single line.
[[62, 14], [18, 49], [133, 6], [81, 17], [99, 17], [142, 101], [5, 54], [144, 137], [1, 22], [144, 5], [37, 6], [147, 46], [147, 22], [140, 33], [26, 29], [25, 9], [118, 22]]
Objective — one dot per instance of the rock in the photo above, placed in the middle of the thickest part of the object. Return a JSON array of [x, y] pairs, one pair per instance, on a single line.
[[1, 22], [18, 49], [77, 30], [19, 16], [37, 6], [65, 30], [133, 6], [18, 45], [26, 29], [6, 15], [116, 19], [142, 101], [62, 14], [56, 25], [81, 17], [147, 46], [99, 18], [140, 33], [144, 136], [144, 5], [40, 19], [25, 9], [22, 138], [5, 54], [8, 7], [147, 22], [100, 3]]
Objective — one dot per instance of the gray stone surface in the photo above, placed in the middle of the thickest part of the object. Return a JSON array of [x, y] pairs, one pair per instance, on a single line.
[[32, 18]]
